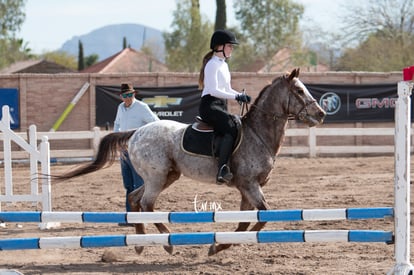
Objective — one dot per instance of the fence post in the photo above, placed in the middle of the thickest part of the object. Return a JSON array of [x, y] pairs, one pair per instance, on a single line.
[[46, 184], [96, 140], [34, 182], [402, 180], [8, 175], [312, 142]]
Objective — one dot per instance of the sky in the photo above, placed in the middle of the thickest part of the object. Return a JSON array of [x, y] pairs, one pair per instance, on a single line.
[[49, 23]]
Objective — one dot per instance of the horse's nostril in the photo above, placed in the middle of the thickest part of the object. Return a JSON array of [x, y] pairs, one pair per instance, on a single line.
[[322, 114]]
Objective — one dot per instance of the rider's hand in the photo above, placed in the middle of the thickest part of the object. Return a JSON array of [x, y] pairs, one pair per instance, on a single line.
[[243, 98]]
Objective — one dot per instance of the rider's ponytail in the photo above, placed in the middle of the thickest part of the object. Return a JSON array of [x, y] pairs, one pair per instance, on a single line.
[[206, 58]]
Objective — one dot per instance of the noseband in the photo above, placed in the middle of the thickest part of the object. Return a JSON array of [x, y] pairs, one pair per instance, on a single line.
[[304, 110]]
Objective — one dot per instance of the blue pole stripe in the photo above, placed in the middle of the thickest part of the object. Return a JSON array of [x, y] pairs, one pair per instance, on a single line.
[[370, 236], [369, 213], [191, 217], [104, 217], [201, 238], [199, 217], [192, 238], [281, 236], [23, 216], [103, 241], [280, 215], [19, 244]]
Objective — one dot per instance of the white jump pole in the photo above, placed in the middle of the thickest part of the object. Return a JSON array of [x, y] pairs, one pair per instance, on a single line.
[[402, 141]]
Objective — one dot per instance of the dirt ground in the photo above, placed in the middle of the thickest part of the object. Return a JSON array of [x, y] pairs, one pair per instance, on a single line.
[[295, 183]]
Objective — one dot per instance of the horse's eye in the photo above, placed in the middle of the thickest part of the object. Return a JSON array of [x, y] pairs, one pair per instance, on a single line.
[[300, 91]]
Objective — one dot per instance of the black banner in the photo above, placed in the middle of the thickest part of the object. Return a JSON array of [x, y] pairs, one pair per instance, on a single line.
[[175, 103], [356, 103], [343, 103]]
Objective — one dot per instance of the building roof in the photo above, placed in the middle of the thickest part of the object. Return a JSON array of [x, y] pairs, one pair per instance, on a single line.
[[36, 66], [127, 60], [282, 61]]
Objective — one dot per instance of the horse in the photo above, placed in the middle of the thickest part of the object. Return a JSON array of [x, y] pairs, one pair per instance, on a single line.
[[157, 156]]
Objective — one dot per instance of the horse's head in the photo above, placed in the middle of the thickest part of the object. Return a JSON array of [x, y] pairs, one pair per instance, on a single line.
[[299, 103], [287, 98]]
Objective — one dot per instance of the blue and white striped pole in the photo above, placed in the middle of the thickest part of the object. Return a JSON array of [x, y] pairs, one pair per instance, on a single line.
[[198, 238], [200, 217]]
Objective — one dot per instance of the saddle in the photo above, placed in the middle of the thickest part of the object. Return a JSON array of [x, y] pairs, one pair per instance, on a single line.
[[199, 138]]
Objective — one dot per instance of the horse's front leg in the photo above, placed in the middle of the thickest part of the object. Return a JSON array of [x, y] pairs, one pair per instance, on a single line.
[[244, 206], [261, 204]]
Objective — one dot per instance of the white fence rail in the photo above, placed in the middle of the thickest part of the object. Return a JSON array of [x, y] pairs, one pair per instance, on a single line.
[[313, 149], [310, 147], [94, 136]]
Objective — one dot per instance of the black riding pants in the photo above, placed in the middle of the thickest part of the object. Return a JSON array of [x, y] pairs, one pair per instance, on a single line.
[[213, 110]]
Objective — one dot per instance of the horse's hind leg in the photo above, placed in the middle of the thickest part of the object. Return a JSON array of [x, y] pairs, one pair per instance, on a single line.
[[134, 199], [244, 206], [152, 190], [172, 176]]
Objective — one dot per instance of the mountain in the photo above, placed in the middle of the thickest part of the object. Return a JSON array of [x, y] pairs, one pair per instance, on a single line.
[[108, 40]]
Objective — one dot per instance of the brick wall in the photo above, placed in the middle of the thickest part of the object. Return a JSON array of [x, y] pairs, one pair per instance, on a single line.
[[43, 97]]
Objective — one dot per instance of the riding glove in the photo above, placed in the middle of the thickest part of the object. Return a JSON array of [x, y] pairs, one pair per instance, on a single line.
[[243, 98]]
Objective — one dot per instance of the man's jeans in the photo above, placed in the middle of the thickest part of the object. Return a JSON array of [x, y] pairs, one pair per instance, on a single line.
[[130, 177]]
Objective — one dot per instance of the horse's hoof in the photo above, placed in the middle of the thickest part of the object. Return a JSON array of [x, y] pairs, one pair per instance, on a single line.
[[169, 249], [139, 249], [212, 250]]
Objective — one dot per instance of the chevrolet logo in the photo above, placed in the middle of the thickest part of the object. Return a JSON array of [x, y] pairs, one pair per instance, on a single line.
[[162, 101]]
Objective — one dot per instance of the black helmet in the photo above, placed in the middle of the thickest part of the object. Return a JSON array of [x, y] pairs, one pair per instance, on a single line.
[[221, 37]]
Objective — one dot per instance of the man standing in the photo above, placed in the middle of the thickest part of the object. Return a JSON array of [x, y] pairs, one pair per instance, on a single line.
[[131, 115]]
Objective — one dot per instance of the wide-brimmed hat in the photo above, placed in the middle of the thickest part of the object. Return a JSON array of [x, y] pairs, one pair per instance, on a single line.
[[127, 88]]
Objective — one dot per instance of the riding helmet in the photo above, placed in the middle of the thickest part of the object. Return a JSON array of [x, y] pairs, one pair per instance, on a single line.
[[221, 37]]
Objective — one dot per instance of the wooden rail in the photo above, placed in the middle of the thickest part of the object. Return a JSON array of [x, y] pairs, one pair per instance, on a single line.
[[310, 147]]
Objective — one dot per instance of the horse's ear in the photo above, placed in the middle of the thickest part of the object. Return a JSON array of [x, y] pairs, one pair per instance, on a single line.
[[292, 75]]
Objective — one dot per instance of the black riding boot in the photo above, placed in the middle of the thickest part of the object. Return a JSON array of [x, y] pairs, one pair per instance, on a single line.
[[224, 174]]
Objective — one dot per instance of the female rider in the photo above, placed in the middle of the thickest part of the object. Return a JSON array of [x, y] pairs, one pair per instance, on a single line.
[[215, 80]]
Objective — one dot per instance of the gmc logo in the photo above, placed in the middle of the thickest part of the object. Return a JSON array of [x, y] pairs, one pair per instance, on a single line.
[[373, 103]]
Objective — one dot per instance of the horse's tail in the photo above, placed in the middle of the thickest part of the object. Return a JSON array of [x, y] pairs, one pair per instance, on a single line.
[[108, 150]]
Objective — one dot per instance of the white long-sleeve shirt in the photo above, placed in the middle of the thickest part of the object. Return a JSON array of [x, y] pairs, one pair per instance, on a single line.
[[217, 79], [136, 115]]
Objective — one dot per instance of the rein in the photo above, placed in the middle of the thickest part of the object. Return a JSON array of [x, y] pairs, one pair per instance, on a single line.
[[244, 108], [275, 116]]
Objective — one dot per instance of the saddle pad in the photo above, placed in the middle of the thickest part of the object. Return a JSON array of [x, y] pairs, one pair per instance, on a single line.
[[195, 142]]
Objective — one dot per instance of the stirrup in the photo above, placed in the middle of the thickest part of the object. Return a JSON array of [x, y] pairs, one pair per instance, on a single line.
[[224, 175]]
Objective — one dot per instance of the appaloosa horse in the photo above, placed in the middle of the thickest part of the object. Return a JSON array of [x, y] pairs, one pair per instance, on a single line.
[[156, 153]]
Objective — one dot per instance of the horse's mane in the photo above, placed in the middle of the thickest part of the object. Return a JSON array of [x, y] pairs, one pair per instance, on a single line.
[[265, 88], [260, 94]]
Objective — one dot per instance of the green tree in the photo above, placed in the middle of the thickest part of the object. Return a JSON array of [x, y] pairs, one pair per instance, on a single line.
[[81, 59], [378, 54], [380, 36], [12, 16], [62, 58], [91, 59], [221, 15], [124, 43], [13, 50], [189, 41], [270, 25]]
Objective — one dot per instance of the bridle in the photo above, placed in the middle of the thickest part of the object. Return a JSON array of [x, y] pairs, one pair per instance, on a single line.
[[275, 116]]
